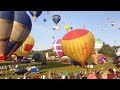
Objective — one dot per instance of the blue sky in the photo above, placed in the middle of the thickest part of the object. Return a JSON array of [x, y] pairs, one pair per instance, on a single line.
[[93, 20]]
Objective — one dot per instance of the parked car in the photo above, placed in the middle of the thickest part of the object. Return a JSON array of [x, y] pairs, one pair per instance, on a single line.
[[18, 71]]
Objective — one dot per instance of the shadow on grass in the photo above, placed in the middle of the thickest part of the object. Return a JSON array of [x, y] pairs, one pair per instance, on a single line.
[[49, 65], [8, 63]]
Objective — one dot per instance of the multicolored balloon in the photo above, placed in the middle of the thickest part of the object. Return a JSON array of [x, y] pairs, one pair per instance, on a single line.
[[56, 47], [78, 45], [15, 27], [26, 47], [101, 59], [98, 45], [56, 19], [35, 14], [112, 23]]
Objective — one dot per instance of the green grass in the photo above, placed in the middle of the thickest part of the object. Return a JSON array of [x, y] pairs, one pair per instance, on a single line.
[[53, 66]]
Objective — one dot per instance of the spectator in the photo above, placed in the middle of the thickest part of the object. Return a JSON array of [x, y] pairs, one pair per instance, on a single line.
[[92, 76], [111, 75]]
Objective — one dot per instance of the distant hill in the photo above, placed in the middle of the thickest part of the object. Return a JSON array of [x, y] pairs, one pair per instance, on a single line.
[[51, 53], [108, 50]]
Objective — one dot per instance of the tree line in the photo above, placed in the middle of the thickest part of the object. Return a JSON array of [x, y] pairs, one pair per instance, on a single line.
[[107, 50]]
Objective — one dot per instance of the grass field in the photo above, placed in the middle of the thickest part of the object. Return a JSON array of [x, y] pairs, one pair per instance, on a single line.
[[52, 66]]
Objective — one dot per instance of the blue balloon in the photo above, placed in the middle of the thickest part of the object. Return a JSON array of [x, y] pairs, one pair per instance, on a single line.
[[35, 13], [37, 56], [71, 28], [56, 19], [15, 28], [44, 20]]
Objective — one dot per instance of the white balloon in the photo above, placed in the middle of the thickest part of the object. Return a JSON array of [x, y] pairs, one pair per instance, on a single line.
[[117, 51]]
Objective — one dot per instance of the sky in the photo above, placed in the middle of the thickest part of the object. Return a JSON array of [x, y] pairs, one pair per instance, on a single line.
[[94, 21]]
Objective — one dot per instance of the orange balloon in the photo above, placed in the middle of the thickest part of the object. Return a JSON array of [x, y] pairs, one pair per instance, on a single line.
[[78, 45], [26, 47]]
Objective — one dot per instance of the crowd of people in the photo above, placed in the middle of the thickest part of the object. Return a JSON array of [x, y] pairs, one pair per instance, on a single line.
[[88, 74], [101, 74]]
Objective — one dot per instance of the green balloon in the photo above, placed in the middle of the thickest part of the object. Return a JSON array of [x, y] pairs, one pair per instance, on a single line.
[[98, 45]]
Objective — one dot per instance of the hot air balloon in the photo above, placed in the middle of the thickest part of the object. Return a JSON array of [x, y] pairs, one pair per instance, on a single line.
[[117, 51], [44, 20], [35, 14], [26, 47], [37, 56], [97, 47], [102, 59], [15, 27], [71, 28], [108, 18], [119, 28], [56, 27], [67, 27], [56, 47], [84, 26], [56, 19], [112, 23], [53, 37], [78, 45]]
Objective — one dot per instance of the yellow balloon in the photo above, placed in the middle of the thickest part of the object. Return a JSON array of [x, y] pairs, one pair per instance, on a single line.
[[78, 45], [67, 27], [26, 47]]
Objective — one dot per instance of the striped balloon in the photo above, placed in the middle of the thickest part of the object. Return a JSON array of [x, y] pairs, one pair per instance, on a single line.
[[56, 47]]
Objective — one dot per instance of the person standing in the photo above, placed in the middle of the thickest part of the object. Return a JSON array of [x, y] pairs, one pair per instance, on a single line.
[[111, 75]]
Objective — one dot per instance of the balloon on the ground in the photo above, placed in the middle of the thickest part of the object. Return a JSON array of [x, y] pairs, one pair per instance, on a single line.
[[35, 14], [99, 59], [119, 28], [26, 47], [78, 45], [117, 51], [102, 59], [37, 56], [98, 45], [15, 26], [56, 47], [56, 19]]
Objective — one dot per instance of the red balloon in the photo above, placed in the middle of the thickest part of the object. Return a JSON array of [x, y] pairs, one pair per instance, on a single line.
[[56, 47]]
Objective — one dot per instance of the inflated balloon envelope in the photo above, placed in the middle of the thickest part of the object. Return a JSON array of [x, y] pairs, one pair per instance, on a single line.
[[15, 26], [78, 45], [26, 47]]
